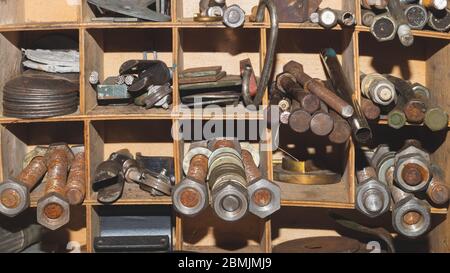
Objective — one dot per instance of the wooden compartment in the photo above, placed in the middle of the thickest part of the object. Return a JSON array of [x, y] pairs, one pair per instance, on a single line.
[[136, 213], [150, 138], [12, 43], [107, 49], [19, 139], [32, 12]]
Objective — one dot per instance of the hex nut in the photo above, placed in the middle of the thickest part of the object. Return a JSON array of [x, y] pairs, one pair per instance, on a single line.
[[44, 220], [411, 204], [202, 202], [383, 22], [22, 198], [412, 154], [234, 192], [274, 202], [372, 185]]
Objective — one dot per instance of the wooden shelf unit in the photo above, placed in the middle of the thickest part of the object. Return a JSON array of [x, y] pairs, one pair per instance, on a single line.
[[184, 43]]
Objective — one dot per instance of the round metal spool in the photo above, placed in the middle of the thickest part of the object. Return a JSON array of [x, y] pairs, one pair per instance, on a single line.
[[40, 85], [39, 114], [327, 244]]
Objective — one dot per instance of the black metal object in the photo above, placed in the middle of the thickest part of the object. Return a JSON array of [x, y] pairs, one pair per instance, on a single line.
[[150, 72], [132, 244], [360, 126]]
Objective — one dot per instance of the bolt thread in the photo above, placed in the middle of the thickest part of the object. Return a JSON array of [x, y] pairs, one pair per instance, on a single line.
[[33, 172]]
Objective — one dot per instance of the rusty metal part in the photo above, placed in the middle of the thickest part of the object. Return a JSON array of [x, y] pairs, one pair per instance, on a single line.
[[370, 110], [299, 119], [412, 168], [377, 4], [270, 55], [437, 190], [360, 127], [328, 244], [53, 210], [367, 17], [15, 193], [383, 27], [377, 88], [396, 117], [288, 84], [379, 233], [76, 183], [321, 122], [264, 195], [383, 160], [414, 106], [440, 20], [317, 88], [296, 11], [341, 132], [253, 85], [372, 196]]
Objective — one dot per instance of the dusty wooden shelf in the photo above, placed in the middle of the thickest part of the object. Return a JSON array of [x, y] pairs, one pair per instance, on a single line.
[[418, 33], [384, 121], [129, 112]]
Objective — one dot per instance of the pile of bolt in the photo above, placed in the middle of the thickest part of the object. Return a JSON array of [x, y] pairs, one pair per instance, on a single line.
[[133, 10], [217, 10], [402, 101], [145, 82], [227, 171], [48, 88], [410, 177], [388, 17], [63, 170], [121, 166]]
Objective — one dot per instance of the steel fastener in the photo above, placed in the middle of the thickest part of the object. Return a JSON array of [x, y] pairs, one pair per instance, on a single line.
[[76, 183], [372, 196]]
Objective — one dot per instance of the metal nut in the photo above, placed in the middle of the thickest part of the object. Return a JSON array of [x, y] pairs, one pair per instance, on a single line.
[[372, 198], [53, 211], [230, 201], [265, 198], [14, 197], [190, 198], [412, 169], [411, 217]]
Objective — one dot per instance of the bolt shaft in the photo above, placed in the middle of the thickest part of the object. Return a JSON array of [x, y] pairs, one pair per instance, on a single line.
[[76, 184], [33, 172], [198, 168], [251, 170], [57, 167]]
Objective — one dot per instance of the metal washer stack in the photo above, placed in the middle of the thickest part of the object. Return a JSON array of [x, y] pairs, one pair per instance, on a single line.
[[39, 95]]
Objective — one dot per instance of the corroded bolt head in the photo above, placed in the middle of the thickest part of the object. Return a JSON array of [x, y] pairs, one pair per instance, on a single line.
[[63, 146], [14, 197], [412, 174], [293, 68], [53, 211], [412, 218], [190, 198], [265, 198]]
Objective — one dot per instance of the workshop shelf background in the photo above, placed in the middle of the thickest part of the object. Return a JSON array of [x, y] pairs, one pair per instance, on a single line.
[[185, 43]]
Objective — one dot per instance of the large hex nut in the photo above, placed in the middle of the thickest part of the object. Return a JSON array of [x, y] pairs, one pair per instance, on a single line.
[[372, 198], [411, 217], [272, 201], [190, 198], [14, 197], [53, 211], [412, 155], [383, 27], [229, 201]]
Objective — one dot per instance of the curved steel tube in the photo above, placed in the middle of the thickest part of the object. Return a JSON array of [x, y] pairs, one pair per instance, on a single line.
[[269, 59]]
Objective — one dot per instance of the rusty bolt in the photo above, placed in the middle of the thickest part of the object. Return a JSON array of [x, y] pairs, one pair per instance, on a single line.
[[76, 186], [288, 84], [299, 119], [370, 110], [412, 168], [341, 130], [53, 208], [318, 89], [321, 122], [190, 197], [437, 191], [15, 193], [265, 196]]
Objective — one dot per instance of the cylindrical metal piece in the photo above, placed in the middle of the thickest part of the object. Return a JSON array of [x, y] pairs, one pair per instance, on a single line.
[[317, 88], [76, 184], [377, 88], [367, 17], [346, 18], [370, 110], [383, 27], [416, 16], [341, 130], [299, 119], [403, 31], [251, 170], [437, 190], [415, 106], [321, 122], [234, 16], [361, 129], [372, 196], [396, 117], [288, 84], [440, 20], [227, 181], [15, 193], [328, 18], [436, 119]]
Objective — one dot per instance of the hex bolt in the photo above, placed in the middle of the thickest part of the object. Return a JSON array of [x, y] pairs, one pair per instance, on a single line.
[[367, 17], [234, 16], [383, 160], [377, 4], [288, 84], [396, 117], [437, 190], [370, 110], [264, 195], [15, 193], [346, 18], [403, 30], [328, 18], [440, 20], [372, 196], [383, 27], [94, 78], [416, 16], [190, 197], [53, 210], [377, 88], [436, 119], [412, 168], [410, 216], [76, 183], [321, 122], [299, 119], [317, 88], [227, 180], [341, 129]]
